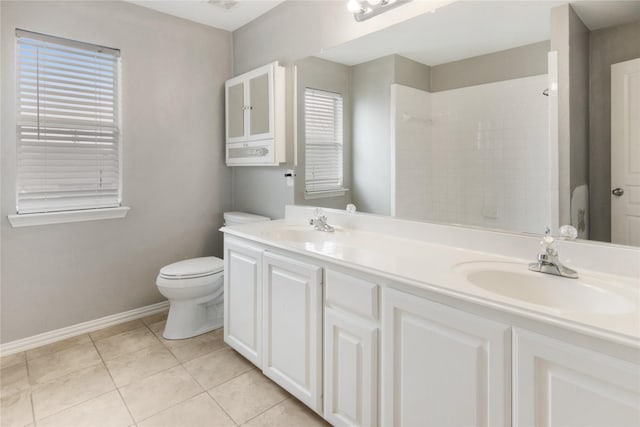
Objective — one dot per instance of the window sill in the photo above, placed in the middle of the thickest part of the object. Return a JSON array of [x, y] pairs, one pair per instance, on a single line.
[[28, 220], [323, 194]]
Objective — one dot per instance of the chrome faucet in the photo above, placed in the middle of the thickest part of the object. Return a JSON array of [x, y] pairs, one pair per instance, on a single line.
[[320, 222], [548, 261]]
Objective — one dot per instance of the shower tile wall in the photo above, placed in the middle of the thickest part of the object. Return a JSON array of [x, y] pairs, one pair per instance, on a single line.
[[412, 129], [488, 155]]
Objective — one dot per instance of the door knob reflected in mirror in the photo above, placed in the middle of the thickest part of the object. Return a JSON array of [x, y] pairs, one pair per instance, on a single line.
[[617, 192]]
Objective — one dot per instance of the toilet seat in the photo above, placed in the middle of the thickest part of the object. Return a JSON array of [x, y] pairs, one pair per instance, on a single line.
[[192, 268]]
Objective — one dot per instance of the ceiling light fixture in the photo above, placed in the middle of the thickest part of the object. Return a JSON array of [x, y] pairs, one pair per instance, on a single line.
[[224, 4], [365, 9]]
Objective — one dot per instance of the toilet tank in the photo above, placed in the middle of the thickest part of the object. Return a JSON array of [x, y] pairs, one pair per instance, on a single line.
[[235, 218]]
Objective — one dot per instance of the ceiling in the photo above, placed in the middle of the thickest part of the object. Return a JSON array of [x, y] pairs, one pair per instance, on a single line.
[[211, 12], [432, 38], [465, 29]]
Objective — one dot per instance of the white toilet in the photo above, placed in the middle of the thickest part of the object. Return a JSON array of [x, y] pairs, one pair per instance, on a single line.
[[194, 288]]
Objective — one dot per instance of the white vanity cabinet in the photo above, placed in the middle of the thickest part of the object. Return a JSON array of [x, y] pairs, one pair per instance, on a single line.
[[442, 366], [350, 350], [255, 114], [559, 384], [292, 327], [243, 298], [366, 349]]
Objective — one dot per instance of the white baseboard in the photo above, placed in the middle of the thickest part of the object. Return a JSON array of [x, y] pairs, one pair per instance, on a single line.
[[79, 329]]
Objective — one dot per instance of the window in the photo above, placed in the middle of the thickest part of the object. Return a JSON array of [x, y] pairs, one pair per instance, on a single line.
[[68, 138], [323, 141]]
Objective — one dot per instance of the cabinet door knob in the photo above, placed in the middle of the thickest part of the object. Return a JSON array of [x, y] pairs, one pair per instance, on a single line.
[[617, 191]]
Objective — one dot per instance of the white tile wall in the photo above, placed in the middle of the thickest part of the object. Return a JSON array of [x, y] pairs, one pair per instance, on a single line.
[[484, 158], [412, 128]]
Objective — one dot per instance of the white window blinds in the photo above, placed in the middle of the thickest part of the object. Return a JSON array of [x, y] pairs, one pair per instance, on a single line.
[[323, 140], [67, 125]]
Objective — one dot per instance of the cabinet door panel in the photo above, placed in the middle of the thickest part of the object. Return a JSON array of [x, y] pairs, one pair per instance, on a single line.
[[442, 366], [243, 296], [351, 371], [558, 384], [293, 326], [260, 101], [235, 112]]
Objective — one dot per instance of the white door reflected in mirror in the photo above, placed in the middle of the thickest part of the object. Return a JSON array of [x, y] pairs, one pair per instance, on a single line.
[[625, 153]]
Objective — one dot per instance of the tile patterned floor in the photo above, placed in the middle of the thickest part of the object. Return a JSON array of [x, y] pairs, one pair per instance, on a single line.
[[128, 375]]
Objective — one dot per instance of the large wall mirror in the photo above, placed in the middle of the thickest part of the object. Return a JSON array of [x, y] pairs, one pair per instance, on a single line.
[[463, 116]]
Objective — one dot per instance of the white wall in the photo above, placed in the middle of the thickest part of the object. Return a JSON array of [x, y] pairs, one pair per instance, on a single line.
[[488, 154], [410, 152], [175, 181]]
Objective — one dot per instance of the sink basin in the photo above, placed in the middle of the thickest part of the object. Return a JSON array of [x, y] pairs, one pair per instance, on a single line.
[[515, 281]]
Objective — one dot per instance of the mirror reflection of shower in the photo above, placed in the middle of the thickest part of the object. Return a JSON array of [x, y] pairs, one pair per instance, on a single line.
[[476, 155]]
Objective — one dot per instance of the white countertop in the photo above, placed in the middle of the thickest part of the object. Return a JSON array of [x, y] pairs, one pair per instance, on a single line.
[[440, 268]]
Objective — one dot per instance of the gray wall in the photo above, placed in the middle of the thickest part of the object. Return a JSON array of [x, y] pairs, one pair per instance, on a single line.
[[607, 46], [371, 135], [560, 36], [320, 74], [411, 73], [175, 181], [522, 61], [371, 90], [579, 101]]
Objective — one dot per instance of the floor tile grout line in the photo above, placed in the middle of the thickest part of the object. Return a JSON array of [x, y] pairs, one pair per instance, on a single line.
[[124, 402], [172, 406], [232, 378], [157, 373], [38, 386], [70, 407], [124, 332], [118, 388], [74, 370], [28, 389], [221, 407], [148, 376], [290, 396], [219, 384], [33, 409], [182, 363], [13, 364]]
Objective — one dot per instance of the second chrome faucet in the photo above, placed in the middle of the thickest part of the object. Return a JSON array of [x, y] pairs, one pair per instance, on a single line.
[[548, 261], [320, 222]]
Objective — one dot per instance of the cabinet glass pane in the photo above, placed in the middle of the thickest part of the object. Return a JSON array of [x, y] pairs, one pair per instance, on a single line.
[[259, 93], [236, 111]]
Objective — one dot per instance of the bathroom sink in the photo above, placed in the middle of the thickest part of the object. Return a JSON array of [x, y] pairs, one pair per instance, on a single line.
[[515, 281]]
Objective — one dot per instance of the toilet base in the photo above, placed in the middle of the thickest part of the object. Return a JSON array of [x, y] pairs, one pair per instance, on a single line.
[[187, 319]]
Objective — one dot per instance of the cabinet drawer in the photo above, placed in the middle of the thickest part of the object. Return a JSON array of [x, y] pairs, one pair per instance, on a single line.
[[353, 294]]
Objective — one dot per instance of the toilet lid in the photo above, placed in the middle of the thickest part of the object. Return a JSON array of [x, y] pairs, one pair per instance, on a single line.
[[191, 268]]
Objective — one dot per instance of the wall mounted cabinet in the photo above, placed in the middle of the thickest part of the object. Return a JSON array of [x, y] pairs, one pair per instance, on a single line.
[[255, 117]]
